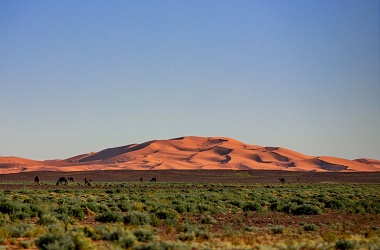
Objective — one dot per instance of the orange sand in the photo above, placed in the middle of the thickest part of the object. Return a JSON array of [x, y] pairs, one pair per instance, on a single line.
[[191, 153]]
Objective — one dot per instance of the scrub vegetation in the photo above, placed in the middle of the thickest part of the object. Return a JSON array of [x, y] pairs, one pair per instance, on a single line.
[[192, 216]]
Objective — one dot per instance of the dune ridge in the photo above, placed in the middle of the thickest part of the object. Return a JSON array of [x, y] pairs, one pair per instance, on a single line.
[[192, 153]]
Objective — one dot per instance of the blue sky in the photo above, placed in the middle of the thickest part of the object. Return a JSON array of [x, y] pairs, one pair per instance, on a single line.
[[81, 76]]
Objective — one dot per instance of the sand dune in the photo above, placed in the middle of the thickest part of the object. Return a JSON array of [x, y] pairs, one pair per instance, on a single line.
[[191, 153]]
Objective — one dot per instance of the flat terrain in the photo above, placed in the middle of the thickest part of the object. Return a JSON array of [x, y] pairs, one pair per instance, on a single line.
[[186, 176]]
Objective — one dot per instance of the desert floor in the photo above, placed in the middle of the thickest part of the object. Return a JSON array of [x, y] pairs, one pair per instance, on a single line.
[[7, 181]]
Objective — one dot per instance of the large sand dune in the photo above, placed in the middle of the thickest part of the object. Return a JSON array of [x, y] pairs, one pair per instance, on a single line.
[[191, 153]]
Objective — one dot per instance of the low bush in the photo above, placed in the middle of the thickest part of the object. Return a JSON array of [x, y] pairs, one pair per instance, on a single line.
[[124, 206], [96, 207], [51, 241], [252, 206], [344, 245], [110, 216], [76, 212], [48, 219], [20, 230], [207, 219], [80, 241], [237, 203], [8, 207], [137, 218], [188, 236], [310, 227], [278, 229], [143, 235], [163, 246], [202, 233], [167, 213], [306, 209]]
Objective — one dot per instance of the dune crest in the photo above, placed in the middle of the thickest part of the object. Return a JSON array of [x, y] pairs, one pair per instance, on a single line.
[[191, 153]]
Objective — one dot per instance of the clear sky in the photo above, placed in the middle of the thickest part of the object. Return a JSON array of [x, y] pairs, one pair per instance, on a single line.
[[82, 76]]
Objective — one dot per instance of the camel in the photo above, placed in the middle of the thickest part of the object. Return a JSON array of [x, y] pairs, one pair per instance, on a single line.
[[37, 180], [141, 179], [282, 180], [153, 180], [71, 179], [62, 180], [87, 182]]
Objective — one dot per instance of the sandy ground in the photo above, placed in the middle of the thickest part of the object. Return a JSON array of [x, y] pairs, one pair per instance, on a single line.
[[192, 153]]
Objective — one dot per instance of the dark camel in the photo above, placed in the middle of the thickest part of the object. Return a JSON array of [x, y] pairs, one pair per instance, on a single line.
[[62, 180], [71, 179], [153, 180], [37, 180], [87, 182], [282, 180], [141, 179]]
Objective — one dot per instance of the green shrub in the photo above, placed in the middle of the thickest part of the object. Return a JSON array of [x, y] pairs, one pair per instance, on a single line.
[[310, 227], [252, 206], [116, 235], [154, 220], [76, 212], [344, 245], [4, 219], [167, 213], [306, 209], [202, 233], [187, 236], [101, 232], [36, 210], [143, 235], [278, 229], [163, 246], [127, 240], [110, 216], [250, 229], [236, 203], [204, 207], [137, 218], [183, 207], [48, 219], [52, 241], [335, 204], [96, 207], [26, 244], [20, 215], [124, 206], [8, 207], [207, 219], [80, 241], [20, 230], [89, 232], [61, 210]]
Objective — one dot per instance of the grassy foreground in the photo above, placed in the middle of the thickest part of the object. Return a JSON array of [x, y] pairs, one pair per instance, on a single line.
[[191, 216]]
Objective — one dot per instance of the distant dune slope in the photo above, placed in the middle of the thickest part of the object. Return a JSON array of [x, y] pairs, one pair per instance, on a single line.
[[188, 153]]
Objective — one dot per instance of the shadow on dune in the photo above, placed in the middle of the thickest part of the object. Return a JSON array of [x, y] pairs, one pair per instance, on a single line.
[[112, 152], [331, 166]]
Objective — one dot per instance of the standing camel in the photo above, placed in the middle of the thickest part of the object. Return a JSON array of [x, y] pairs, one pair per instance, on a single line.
[[37, 180], [153, 180], [87, 182]]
